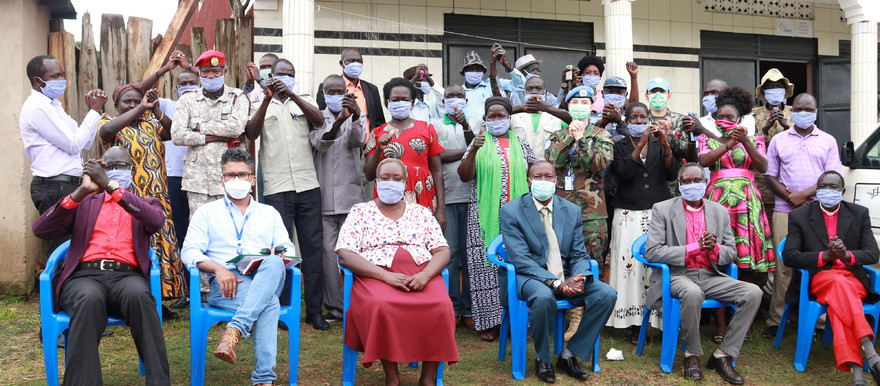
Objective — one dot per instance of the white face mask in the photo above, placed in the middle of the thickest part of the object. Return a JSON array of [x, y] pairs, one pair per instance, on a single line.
[[237, 188]]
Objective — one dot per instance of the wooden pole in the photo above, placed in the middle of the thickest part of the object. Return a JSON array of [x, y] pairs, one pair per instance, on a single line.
[[139, 45], [224, 41], [169, 83], [199, 44], [244, 46], [184, 12], [113, 57], [87, 77], [61, 46]]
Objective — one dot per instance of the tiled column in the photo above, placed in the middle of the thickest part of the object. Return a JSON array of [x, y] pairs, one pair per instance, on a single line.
[[298, 41], [618, 37], [863, 80]]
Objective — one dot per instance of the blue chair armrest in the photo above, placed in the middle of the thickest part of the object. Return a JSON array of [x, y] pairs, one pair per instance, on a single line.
[[732, 270], [347, 279], [492, 252], [47, 293], [873, 274], [594, 268]]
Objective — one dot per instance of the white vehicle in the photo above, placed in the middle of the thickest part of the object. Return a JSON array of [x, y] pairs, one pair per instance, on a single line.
[[861, 170]]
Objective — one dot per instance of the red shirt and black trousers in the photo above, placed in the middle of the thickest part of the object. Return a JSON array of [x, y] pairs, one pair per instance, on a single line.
[[105, 274], [841, 284]]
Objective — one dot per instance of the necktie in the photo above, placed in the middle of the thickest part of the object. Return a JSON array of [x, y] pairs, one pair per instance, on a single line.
[[554, 258]]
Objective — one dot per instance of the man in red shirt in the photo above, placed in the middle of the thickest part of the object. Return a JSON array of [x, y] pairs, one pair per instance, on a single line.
[[833, 240], [107, 266]]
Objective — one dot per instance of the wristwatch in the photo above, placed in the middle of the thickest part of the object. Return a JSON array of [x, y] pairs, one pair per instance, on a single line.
[[556, 284], [565, 85], [112, 186]]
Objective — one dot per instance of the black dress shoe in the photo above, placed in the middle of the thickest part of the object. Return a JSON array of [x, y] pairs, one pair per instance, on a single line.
[[317, 322], [691, 368], [572, 368], [544, 371], [770, 332], [875, 369], [724, 367]]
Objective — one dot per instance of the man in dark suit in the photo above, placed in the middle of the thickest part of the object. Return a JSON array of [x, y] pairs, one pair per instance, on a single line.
[[544, 241], [107, 266], [833, 240], [366, 93], [684, 234]]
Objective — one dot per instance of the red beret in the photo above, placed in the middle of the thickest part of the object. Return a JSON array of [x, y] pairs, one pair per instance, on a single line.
[[211, 58]]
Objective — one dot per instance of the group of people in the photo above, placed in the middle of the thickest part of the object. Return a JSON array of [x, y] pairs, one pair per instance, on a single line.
[[454, 168]]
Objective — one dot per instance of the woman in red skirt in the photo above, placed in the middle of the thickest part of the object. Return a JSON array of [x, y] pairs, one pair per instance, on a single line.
[[400, 308]]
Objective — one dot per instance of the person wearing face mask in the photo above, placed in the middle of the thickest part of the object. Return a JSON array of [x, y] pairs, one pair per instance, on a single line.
[[642, 164], [255, 84], [413, 142], [429, 95], [833, 240], [530, 68], [53, 141], [539, 119], [551, 263], [223, 229], [774, 116], [657, 95], [365, 93], [693, 237], [580, 155], [209, 121], [337, 152], [705, 125], [479, 89], [290, 184], [796, 158], [455, 133], [497, 160], [107, 267], [400, 309]]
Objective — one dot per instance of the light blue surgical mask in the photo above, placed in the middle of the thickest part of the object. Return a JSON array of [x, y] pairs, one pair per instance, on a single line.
[[529, 75], [212, 84], [425, 87], [829, 198], [390, 192], [451, 103], [353, 70], [617, 99], [334, 102], [400, 109], [264, 73], [636, 130], [543, 190], [289, 81], [123, 177], [693, 192], [774, 96], [183, 89], [803, 119], [709, 103], [53, 88], [498, 128], [591, 80], [473, 78]]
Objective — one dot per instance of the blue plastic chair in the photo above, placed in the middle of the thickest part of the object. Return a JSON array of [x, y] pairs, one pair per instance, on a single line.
[[53, 324], [350, 355], [809, 312], [515, 318], [202, 317], [671, 308]]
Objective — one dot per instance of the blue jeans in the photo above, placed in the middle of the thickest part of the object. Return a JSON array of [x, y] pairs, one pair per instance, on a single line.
[[256, 310], [456, 236]]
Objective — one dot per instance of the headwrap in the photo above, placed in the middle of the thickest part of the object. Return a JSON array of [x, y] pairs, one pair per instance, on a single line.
[[119, 91], [497, 100]]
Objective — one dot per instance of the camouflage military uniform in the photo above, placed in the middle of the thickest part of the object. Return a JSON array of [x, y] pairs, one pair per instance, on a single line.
[[225, 116], [762, 115], [678, 141], [584, 159]]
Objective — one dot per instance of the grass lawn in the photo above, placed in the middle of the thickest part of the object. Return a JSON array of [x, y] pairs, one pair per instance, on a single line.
[[21, 358]]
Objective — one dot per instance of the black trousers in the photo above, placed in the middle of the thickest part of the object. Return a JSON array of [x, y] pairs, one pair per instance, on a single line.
[[89, 296], [179, 209], [303, 211], [45, 194]]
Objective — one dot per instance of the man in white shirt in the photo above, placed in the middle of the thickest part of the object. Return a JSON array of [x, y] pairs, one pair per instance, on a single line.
[[223, 229], [706, 124], [52, 139]]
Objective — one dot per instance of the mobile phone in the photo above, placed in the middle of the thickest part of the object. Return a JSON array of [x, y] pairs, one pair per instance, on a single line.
[[421, 74], [569, 73]]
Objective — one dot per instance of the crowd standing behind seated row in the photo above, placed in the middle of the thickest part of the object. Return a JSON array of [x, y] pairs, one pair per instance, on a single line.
[[461, 153]]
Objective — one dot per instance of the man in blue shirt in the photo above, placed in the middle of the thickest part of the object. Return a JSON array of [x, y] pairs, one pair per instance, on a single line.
[[478, 89]]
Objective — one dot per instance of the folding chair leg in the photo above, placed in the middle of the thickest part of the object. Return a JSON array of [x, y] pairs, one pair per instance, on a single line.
[[502, 337], [782, 323], [671, 323], [440, 374], [349, 365], [596, 368], [643, 330], [559, 332], [518, 349], [806, 324], [50, 353]]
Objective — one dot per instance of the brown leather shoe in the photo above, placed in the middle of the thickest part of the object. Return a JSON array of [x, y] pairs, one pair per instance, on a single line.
[[691, 368], [468, 321], [724, 367], [226, 349]]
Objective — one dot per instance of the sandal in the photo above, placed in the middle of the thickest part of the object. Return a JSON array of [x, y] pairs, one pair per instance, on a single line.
[[490, 335], [718, 339]]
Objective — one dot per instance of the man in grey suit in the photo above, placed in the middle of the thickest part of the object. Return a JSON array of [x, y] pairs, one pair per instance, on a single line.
[[684, 234], [544, 240]]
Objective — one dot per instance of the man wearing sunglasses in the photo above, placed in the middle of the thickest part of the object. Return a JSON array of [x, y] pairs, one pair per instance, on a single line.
[[107, 266]]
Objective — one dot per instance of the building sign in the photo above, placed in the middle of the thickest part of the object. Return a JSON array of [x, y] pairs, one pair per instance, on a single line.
[[796, 28]]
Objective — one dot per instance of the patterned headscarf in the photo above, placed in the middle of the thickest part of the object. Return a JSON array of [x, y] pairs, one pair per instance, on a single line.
[[119, 91]]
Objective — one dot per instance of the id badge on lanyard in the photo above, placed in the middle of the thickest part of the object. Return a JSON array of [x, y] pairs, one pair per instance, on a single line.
[[568, 180]]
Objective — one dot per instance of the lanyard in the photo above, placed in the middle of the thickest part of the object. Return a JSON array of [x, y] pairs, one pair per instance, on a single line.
[[238, 232]]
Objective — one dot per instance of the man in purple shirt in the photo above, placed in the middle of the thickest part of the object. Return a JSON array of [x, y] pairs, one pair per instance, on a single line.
[[796, 158], [52, 139]]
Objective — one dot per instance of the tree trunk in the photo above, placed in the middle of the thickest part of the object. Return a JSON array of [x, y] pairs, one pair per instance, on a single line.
[[139, 44], [113, 57], [87, 77], [244, 45], [224, 41]]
